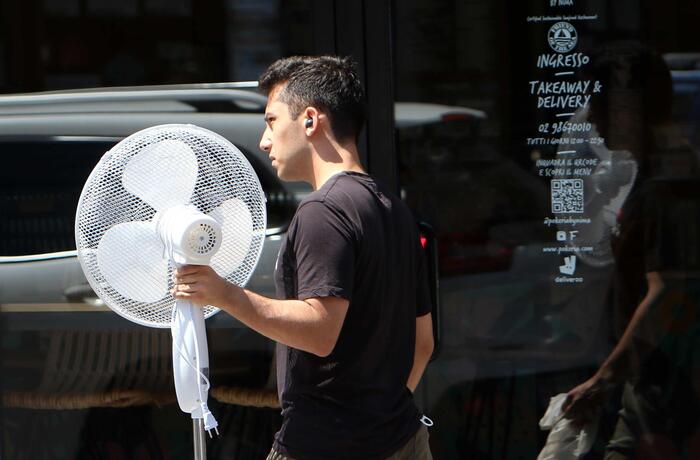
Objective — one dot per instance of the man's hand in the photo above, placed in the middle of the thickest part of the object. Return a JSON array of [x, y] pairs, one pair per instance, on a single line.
[[311, 325], [201, 285], [582, 403], [423, 350]]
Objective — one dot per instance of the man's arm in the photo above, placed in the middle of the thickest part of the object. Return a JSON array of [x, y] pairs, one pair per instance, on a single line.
[[312, 325], [645, 318], [424, 350], [583, 400]]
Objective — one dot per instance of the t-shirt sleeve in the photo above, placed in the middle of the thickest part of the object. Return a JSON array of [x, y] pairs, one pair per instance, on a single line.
[[324, 245], [424, 304]]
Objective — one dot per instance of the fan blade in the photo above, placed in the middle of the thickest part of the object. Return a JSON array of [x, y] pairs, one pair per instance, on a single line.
[[162, 174], [130, 256], [237, 234]]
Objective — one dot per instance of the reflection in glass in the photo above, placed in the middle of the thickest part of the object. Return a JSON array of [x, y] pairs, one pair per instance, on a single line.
[[512, 336], [655, 246]]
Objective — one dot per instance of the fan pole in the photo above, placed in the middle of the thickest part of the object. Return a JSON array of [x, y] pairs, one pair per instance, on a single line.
[[200, 445]]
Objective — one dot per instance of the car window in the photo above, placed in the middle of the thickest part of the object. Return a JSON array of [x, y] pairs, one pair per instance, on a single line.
[[40, 185]]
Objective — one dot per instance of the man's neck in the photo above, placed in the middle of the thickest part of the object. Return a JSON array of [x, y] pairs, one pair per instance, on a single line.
[[340, 159]]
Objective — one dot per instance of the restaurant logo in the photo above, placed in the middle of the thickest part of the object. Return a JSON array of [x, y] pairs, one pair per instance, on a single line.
[[562, 37]]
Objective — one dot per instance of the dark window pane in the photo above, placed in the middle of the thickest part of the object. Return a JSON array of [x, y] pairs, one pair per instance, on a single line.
[[40, 186]]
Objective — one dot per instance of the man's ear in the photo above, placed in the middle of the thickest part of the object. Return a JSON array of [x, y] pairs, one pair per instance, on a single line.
[[312, 118]]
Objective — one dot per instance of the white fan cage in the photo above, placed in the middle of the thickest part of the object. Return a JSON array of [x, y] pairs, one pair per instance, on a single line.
[[224, 173]]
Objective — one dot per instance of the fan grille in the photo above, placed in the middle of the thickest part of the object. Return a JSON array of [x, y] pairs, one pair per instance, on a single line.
[[223, 174]]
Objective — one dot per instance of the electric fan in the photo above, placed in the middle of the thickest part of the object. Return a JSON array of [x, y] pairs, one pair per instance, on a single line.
[[163, 197]]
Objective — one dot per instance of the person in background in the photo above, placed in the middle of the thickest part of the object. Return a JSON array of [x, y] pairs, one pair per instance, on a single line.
[[656, 295]]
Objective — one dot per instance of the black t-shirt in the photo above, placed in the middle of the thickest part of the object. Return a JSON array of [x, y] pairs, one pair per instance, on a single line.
[[353, 239], [659, 231]]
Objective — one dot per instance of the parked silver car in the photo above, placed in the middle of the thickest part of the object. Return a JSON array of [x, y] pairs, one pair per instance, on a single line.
[[50, 142]]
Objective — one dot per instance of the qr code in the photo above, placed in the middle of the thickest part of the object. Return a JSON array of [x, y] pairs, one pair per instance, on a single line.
[[567, 196]]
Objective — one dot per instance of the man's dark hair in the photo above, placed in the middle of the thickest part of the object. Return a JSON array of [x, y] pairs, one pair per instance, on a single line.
[[329, 83]]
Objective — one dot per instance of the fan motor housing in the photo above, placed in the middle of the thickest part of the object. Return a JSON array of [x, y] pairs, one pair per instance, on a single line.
[[190, 236]]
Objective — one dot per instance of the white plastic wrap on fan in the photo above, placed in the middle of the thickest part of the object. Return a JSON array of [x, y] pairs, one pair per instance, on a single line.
[[237, 231], [163, 174], [190, 356], [197, 167], [130, 256]]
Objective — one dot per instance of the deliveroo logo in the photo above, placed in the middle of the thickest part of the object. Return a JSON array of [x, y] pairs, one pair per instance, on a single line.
[[562, 37]]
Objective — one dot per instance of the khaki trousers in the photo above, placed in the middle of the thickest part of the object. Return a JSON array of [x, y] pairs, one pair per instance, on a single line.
[[417, 448]]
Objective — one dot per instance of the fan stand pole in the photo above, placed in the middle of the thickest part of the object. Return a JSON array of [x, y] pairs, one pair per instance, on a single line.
[[200, 445]]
